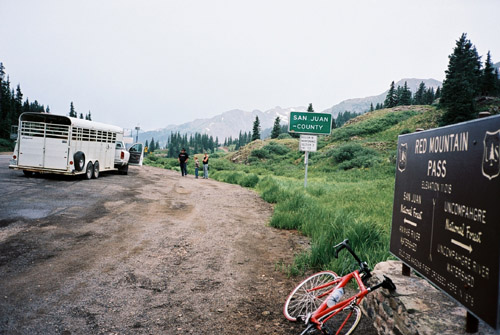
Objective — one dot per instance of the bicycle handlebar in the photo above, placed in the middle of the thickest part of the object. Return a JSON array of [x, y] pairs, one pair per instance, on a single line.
[[345, 245]]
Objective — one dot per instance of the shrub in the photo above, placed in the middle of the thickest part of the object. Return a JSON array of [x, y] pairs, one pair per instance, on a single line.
[[353, 155], [284, 136], [221, 165], [233, 177], [372, 126], [276, 148], [250, 180], [261, 153]]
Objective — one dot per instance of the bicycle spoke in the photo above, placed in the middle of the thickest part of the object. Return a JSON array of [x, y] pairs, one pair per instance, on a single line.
[[304, 299]]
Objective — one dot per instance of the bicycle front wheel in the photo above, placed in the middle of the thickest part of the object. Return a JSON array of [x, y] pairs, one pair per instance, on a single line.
[[304, 300], [344, 322]]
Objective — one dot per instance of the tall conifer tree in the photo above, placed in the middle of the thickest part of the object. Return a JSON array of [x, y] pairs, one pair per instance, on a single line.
[[489, 78], [391, 98], [256, 129], [461, 84], [72, 112], [276, 128]]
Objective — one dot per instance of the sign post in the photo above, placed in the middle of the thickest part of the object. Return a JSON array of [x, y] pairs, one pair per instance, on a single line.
[[446, 210], [307, 143], [307, 124]]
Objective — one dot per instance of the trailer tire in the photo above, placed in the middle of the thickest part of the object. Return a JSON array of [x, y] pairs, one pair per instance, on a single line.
[[79, 159], [89, 172], [28, 173], [95, 175]]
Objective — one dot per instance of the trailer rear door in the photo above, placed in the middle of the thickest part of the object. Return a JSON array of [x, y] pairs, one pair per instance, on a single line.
[[43, 145], [31, 144]]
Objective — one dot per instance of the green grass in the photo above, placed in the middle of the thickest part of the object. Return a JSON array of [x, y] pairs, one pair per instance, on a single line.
[[350, 185]]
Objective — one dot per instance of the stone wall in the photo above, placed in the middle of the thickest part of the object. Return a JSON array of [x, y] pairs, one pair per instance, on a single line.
[[416, 307]]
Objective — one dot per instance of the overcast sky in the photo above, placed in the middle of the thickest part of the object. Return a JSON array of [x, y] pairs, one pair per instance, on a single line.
[[154, 63]]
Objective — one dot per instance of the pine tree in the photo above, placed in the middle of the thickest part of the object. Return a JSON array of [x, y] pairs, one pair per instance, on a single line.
[[88, 116], [391, 98], [488, 78], [152, 145], [310, 108], [418, 98], [276, 128], [256, 129], [437, 95], [334, 123], [461, 84], [405, 96], [371, 107], [72, 112], [429, 96], [81, 116]]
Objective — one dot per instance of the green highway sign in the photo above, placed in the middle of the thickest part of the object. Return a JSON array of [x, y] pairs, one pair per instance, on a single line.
[[310, 123]]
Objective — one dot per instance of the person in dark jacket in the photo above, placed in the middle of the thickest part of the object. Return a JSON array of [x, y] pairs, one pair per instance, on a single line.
[[183, 159]]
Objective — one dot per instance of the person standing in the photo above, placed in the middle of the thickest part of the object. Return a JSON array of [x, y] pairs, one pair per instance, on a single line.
[[196, 166], [183, 159], [205, 166]]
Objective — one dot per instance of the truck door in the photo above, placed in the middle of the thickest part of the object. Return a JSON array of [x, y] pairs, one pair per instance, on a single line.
[[136, 154]]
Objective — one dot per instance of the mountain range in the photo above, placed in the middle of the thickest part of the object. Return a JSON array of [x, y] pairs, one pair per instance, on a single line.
[[230, 123]]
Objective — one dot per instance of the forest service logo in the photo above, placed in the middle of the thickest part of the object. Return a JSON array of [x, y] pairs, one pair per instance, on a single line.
[[491, 165], [402, 156]]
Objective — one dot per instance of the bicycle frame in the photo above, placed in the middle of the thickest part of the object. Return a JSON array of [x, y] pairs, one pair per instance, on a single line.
[[323, 310]]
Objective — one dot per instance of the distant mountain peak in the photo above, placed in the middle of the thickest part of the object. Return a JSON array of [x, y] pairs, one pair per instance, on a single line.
[[230, 123]]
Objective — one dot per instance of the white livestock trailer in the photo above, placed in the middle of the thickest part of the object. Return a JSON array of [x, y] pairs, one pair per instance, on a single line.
[[49, 143]]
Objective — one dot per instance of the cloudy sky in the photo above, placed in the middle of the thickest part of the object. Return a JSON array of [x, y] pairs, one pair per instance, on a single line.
[[158, 62]]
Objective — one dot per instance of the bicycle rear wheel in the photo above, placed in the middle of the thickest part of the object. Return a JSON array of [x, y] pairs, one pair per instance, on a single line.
[[343, 323], [302, 301]]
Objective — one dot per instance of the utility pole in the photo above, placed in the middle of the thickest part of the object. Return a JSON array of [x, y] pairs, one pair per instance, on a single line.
[[137, 134]]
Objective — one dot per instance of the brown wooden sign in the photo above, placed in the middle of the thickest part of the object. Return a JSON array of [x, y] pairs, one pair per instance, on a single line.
[[446, 215]]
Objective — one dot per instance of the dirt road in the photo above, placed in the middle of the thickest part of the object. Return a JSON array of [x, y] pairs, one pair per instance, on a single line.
[[147, 253]]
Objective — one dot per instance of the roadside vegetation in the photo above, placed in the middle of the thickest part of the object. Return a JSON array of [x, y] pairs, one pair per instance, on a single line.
[[350, 183]]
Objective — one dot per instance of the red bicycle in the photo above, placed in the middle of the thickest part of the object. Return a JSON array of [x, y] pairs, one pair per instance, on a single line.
[[318, 301]]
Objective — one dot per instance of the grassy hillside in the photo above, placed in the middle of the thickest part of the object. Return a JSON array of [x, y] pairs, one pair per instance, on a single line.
[[350, 183]]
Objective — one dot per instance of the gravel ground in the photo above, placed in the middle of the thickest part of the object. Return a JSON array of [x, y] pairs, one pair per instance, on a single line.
[[147, 253]]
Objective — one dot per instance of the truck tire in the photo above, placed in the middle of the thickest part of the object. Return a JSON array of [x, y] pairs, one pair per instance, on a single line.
[[79, 159], [28, 173], [123, 169]]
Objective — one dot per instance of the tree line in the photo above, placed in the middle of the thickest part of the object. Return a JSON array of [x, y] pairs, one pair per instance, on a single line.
[[402, 96], [13, 104], [73, 113], [195, 143]]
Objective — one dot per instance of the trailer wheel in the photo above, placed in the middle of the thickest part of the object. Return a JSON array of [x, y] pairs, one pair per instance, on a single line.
[[28, 173], [95, 175], [90, 171], [79, 159]]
